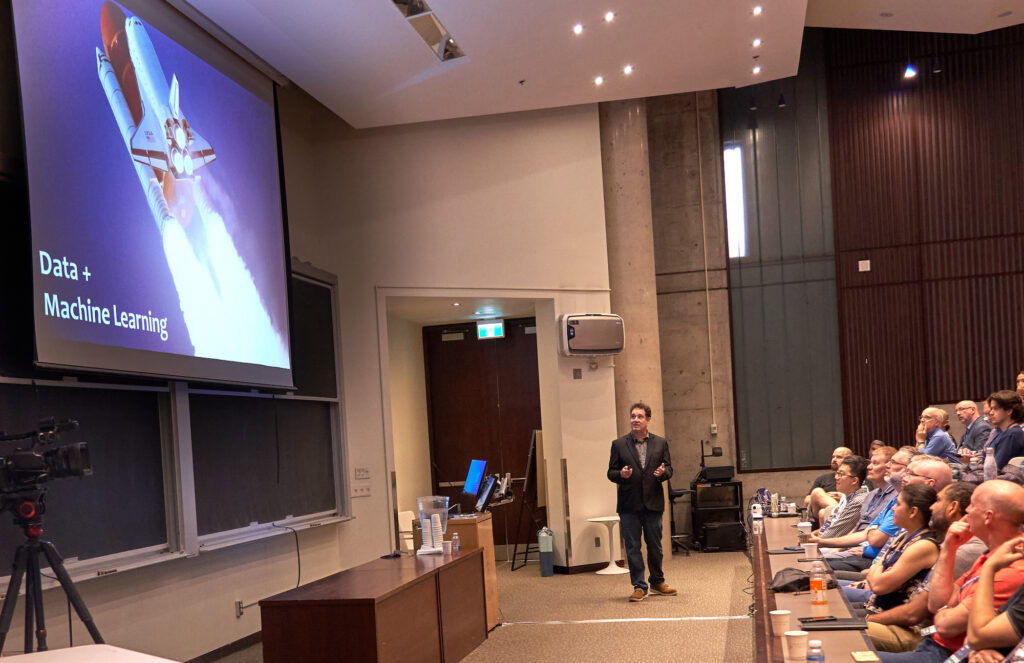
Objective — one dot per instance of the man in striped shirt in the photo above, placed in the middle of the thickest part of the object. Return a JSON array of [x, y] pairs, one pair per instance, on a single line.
[[850, 479]]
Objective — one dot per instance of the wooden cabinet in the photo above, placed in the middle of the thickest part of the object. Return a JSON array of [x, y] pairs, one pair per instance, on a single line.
[[416, 608], [477, 531]]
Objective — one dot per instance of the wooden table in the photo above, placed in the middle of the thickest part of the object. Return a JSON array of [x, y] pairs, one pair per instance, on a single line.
[[413, 608], [87, 654], [778, 533]]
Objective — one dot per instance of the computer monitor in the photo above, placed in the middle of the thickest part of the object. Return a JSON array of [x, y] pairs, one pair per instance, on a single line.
[[483, 500], [474, 477]]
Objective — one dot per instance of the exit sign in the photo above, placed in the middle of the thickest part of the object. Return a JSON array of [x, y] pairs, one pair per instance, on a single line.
[[490, 329]]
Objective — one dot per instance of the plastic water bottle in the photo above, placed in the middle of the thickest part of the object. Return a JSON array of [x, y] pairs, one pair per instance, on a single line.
[[456, 542], [819, 580], [815, 652]]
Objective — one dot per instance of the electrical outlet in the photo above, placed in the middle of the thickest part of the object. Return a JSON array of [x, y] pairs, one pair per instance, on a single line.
[[360, 491], [362, 473], [597, 542], [714, 429]]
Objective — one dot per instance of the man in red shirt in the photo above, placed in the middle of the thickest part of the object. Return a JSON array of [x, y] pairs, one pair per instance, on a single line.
[[994, 516]]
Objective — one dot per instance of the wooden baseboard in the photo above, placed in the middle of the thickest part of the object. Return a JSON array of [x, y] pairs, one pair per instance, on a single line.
[[585, 568], [230, 648]]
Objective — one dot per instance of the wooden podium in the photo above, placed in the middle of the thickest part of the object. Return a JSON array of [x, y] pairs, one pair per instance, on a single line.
[[477, 531]]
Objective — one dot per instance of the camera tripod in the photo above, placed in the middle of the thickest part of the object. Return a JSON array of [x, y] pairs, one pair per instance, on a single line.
[[28, 515]]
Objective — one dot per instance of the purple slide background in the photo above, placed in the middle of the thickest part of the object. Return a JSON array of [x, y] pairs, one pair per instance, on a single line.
[[86, 201]]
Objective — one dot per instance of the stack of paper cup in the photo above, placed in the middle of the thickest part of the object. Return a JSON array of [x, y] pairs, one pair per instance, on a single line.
[[437, 534], [425, 531]]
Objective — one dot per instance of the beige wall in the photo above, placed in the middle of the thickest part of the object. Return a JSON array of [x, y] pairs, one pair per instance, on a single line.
[[408, 412]]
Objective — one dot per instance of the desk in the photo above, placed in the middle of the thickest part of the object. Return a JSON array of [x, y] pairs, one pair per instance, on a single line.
[[87, 654], [778, 533], [414, 608]]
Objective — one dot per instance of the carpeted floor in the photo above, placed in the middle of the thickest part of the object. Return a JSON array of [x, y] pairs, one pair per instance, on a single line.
[[587, 617]]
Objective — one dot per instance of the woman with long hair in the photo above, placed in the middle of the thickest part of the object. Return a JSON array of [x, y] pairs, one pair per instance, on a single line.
[[910, 556]]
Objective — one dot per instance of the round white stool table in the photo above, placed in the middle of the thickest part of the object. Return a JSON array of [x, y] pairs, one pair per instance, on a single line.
[[612, 568]]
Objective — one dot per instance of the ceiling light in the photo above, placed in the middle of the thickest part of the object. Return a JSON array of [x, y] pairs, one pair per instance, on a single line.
[[1004, 14], [609, 17], [782, 101], [456, 304], [886, 14], [910, 71], [757, 42], [598, 80], [628, 69], [757, 69], [936, 67], [757, 10], [578, 28]]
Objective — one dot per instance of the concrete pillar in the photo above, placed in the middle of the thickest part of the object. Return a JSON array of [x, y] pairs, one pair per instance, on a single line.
[[631, 275]]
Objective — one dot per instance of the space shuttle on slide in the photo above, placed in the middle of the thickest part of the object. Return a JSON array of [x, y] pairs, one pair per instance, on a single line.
[[148, 112]]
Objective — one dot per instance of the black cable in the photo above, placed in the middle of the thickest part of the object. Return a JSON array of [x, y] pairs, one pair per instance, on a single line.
[[298, 556]]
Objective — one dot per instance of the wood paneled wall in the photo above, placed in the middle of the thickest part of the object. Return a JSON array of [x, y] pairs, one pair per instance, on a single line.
[[927, 184]]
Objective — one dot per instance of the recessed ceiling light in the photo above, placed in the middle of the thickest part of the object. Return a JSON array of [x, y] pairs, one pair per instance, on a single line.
[[628, 69], [456, 304], [578, 28], [476, 312], [598, 80], [757, 10], [757, 69], [757, 42], [1004, 14], [609, 17], [886, 14], [910, 71]]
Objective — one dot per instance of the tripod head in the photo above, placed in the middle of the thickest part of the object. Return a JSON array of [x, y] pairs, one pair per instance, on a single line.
[[27, 506]]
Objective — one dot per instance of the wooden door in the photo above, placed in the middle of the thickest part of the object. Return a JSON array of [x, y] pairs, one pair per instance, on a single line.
[[483, 401]]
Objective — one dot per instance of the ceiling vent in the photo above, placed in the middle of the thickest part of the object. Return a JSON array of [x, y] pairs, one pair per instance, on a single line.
[[430, 29]]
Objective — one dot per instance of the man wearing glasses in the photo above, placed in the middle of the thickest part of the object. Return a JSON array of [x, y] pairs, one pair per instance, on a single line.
[[863, 545], [850, 483], [936, 441]]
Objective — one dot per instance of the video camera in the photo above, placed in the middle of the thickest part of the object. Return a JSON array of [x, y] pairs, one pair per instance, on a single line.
[[30, 459]]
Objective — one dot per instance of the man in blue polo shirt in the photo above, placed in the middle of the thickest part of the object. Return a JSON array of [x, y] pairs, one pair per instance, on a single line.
[[936, 440], [863, 545]]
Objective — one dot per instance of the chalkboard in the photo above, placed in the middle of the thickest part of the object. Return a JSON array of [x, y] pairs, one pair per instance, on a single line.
[[260, 459], [120, 506]]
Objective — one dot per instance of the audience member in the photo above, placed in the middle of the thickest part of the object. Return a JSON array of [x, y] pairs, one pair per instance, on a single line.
[[992, 633], [874, 445], [909, 557], [823, 490], [977, 429], [896, 629], [994, 515], [936, 441], [850, 483], [1020, 384], [1006, 413], [863, 545]]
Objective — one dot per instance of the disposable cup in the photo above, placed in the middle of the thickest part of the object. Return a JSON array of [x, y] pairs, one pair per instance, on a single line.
[[794, 646], [810, 550], [446, 547], [780, 621], [805, 527]]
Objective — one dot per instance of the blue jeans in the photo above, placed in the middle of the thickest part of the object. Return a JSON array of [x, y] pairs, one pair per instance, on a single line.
[[632, 525], [856, 595], [926, 652]]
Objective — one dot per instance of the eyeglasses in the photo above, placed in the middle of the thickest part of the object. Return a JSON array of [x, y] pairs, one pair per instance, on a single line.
[[910, 473], [896, 462], [841, 475]]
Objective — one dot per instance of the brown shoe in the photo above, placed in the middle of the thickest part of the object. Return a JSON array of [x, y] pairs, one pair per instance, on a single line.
[[638, 595], [663, 589]]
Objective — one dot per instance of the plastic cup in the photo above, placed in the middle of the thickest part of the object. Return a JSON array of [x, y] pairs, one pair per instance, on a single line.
[[794, 646], [781, 620], [446, 547], [810, 550], [805, 527]]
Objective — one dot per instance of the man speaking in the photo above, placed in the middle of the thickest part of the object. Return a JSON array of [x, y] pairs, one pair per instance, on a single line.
[[639, 463]]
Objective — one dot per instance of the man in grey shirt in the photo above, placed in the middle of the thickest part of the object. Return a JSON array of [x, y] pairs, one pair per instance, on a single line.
[[976, 434], [850, 479]]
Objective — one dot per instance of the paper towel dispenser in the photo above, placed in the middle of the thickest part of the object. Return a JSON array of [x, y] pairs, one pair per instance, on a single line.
[[592, 334]]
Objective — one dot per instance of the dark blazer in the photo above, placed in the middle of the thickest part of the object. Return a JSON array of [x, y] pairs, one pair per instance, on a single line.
[[642, 490], [977, 435]]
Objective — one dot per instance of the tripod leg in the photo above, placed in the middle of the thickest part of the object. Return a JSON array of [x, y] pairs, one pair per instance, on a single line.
[[34, 598], [13, 587], [30, 605], [57, 565]]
